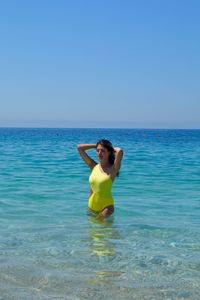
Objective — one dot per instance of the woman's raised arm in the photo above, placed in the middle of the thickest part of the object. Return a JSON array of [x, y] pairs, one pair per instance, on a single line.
[[82, 148], [118, 157]]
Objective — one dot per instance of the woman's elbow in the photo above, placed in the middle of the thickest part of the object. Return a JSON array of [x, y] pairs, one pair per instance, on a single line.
[[120, 151], [78, 147]]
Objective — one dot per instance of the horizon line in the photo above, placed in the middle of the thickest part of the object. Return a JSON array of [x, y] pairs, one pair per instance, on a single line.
[[106, 128]]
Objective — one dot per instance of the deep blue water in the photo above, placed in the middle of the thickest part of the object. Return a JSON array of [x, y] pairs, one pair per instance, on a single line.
[[51, 249]]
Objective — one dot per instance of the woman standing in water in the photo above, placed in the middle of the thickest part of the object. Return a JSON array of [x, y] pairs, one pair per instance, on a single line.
[[102, 175]]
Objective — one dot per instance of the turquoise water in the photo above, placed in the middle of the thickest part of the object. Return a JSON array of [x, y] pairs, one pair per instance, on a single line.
[[50, 248]]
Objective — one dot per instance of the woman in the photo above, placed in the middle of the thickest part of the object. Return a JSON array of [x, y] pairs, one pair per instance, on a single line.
[[102, 175]]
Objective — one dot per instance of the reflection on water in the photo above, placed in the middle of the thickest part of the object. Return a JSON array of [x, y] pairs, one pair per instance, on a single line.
[[103, 236]]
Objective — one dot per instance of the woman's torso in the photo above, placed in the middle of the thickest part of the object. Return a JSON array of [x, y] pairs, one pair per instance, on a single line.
[[101, 186]]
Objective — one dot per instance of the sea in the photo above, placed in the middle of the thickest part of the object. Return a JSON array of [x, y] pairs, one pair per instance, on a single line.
[[51, 248]]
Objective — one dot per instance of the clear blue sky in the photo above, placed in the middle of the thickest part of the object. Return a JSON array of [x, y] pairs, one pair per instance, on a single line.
[[92, 63]]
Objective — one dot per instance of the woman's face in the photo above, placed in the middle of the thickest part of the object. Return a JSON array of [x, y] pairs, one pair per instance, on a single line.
[[102, 153]]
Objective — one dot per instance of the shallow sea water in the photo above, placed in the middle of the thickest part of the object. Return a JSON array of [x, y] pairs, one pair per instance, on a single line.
[[50, 248]]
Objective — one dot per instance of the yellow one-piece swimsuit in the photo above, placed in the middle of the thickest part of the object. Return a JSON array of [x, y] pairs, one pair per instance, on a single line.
[[101, 185]]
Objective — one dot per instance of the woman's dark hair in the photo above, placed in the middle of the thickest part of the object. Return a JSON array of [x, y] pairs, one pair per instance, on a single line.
[[108, 145]]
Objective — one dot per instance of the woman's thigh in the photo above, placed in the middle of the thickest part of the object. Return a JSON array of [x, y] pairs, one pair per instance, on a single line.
[[107, 211]]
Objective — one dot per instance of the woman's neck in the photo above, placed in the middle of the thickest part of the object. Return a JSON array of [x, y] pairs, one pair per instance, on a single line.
[[105, 165]]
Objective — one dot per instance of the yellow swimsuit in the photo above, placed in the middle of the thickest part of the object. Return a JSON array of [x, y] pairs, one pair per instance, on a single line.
[[101, 185]]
